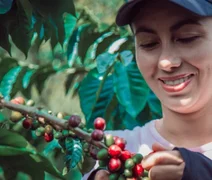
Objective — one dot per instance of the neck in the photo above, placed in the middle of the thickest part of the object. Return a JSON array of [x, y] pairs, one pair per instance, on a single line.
[[186, 130]]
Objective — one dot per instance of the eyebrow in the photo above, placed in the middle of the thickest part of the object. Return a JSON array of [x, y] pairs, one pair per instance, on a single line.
[[174, 27]]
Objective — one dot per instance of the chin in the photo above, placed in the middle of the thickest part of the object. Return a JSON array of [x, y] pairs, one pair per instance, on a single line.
[[183, 107]]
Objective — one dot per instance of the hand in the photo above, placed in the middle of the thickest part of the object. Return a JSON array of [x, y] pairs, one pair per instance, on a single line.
[[164, 164]]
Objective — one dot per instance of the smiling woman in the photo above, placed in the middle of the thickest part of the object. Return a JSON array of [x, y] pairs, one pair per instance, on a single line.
[[173, 40]]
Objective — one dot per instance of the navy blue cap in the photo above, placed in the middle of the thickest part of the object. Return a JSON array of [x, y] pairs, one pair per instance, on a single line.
[[126, 12]]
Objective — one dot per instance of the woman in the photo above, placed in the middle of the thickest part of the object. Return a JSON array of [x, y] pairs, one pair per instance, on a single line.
[[173, 40]]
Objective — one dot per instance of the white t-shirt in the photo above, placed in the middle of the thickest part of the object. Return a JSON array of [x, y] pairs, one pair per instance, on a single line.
[[141, 139]]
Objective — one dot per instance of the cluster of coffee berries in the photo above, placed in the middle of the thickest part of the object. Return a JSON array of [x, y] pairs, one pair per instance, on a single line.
[[116, 159]]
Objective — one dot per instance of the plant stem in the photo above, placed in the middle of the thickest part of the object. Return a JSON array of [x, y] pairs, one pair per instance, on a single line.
[[50, 119]]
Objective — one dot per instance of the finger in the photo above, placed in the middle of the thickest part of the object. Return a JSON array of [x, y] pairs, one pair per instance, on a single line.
[[162, 158], [167, 172], [158, 147], [102, 175]]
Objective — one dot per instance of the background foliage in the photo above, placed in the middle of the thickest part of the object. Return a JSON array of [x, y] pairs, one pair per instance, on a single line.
[[76, 50]]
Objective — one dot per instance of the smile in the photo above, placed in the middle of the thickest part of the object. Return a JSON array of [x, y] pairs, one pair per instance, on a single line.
[[176, 85], [177, 82]]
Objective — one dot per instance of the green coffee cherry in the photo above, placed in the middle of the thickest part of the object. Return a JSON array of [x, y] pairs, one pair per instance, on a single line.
[[129, 163], [137, 158], [102, 154], [128, 173], [108, 140], [121, 177], [113, 176], [103, 163], [58, 135]]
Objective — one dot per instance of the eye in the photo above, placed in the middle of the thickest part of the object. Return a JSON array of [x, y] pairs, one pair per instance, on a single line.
[[187, 40], [149, 45]]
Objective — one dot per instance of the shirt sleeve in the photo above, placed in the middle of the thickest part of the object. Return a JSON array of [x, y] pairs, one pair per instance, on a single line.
[[197, 166]]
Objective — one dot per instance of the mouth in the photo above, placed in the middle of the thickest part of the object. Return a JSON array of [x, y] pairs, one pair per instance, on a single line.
[[177, 84], [177, 81]]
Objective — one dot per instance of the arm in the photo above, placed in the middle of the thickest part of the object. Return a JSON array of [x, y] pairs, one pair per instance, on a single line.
[[197, 166]]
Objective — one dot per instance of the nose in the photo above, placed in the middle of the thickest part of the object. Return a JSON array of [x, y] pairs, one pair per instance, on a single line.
[[169, 60]]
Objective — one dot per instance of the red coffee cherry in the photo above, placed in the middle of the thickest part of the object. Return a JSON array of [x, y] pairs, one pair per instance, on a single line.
[[99, 123], [114, 151], [48, 137], [18, 100], [27, 123], [125, 155], [138, 170], [97, 135], [74, 121], [120, 142], [114, 164]]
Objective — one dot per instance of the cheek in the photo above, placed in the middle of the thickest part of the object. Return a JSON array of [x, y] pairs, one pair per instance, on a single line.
[[146, 64]]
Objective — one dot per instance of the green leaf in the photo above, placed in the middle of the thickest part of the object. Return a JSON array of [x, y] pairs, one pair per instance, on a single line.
[[69, 24], [54, 8], [38, 78], [155, 106], [9, 138], [21, 156], [95, 95], [73, 44], [130, 88], [76, 153], [104, 61], [27, 77], [11, 151], [11, 82], [4, 39], [126, 57], [5, 65], [104, 42], [23, 28]]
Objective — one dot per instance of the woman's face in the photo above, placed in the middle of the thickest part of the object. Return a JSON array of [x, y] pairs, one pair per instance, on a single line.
[[174, 55]]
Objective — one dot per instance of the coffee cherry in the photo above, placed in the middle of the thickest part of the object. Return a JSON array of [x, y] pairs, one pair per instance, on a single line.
[[48, 137], [113, 176], [102, 154], [128, 173], [137, 158], [120, 142], [138, 170], [99, 123], [121, 177], [58, 135], [103, 163], [114, 151], [97, 135], [39, 131], [74, 121], [125, 155], [16, 116], [48, 129], [114, 164], [108, 140], [30, 103], [18, 100], [129, 164], [27, 123]]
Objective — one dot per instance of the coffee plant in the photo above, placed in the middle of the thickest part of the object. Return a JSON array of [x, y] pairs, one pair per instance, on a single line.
[[100, 67]]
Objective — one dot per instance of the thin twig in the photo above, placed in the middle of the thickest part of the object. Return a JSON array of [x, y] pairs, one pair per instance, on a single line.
[[50, 119]]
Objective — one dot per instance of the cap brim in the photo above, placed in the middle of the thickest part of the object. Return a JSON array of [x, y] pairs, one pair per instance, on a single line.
[[129, 9]]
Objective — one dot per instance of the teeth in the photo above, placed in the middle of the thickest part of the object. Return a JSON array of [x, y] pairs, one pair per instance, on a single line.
[[176, 82]]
